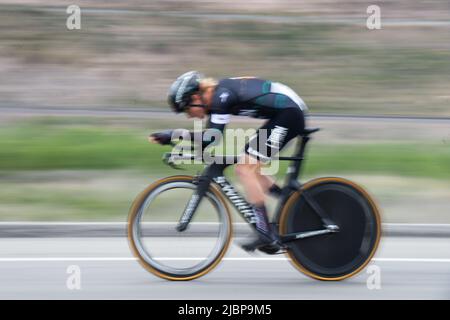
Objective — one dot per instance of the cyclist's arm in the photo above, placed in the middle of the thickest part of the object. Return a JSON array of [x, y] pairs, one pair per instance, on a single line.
[[212, 133], [223, 101], [215, 128]]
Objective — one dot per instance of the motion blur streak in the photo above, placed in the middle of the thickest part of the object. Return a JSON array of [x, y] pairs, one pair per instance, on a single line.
[[76, 107]]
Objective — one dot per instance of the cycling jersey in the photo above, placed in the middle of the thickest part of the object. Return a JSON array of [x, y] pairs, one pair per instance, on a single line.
[[262, 99], [253, 97]]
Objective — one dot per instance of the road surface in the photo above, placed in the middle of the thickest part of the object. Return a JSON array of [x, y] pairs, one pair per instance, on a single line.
[[36, 268]]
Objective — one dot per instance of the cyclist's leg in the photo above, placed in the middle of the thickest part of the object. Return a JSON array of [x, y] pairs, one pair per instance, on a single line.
[[265, 183], [273, 136], [249, 167], [248, 171], [270, 139], [269, 185]]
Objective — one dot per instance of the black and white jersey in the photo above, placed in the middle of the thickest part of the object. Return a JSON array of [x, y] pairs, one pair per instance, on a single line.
[[252, 97]]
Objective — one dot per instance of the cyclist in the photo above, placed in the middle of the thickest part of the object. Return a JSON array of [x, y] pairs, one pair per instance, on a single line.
[[284, 110]]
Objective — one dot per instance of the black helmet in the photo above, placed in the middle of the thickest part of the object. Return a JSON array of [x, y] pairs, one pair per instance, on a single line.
[[180, 92]]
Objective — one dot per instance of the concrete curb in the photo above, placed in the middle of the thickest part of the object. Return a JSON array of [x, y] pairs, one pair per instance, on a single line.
[[118, 229]]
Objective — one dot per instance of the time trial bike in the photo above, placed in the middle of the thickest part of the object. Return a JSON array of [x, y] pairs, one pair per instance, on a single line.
[[180, 227]]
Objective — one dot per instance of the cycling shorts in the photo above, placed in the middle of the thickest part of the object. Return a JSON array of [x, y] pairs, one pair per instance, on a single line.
[[275, 134]]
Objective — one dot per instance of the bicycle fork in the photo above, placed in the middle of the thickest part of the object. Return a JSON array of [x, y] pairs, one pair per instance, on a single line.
[[202, 186], [241, 205]]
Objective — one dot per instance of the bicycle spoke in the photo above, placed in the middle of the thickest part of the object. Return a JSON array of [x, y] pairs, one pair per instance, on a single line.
[[160, 245]]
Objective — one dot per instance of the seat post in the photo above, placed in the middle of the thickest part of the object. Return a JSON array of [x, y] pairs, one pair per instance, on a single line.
[[293, 170]]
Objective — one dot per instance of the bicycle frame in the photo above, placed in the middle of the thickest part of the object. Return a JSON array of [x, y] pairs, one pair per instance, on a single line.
[[214, 174]]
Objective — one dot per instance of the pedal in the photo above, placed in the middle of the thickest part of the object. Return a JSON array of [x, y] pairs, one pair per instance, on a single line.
[[273, 249], [196, 179]]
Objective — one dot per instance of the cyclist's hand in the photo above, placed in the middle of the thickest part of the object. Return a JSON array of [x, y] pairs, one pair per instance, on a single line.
[[163, 137]]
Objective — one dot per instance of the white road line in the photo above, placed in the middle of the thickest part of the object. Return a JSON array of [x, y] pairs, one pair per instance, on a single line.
[[410, 260], [56, 259], [416, 224], [57, 223]]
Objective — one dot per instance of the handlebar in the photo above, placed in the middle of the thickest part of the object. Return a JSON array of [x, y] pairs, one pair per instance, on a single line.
[[169, 159]]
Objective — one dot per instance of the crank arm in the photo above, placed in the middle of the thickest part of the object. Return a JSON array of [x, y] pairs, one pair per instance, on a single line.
[[305, 234], [326, 220]]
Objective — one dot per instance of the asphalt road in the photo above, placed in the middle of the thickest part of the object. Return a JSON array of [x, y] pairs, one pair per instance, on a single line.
[[36, 268]]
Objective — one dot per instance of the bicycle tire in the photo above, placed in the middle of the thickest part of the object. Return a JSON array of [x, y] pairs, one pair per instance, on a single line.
[[133, 225], [334, 256]]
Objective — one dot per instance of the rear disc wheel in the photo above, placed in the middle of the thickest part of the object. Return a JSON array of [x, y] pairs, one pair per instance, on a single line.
[[333, 256]]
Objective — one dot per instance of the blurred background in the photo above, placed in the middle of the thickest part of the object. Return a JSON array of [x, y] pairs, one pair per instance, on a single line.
[[76, 106]]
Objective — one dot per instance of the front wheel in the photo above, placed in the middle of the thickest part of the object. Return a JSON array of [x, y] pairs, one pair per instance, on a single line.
[[167, 252], [339, 255]]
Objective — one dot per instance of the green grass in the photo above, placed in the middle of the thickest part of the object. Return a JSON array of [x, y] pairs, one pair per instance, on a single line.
[[104, 195], [49, 147], [55, 146], [414, 160], [91, 169]]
